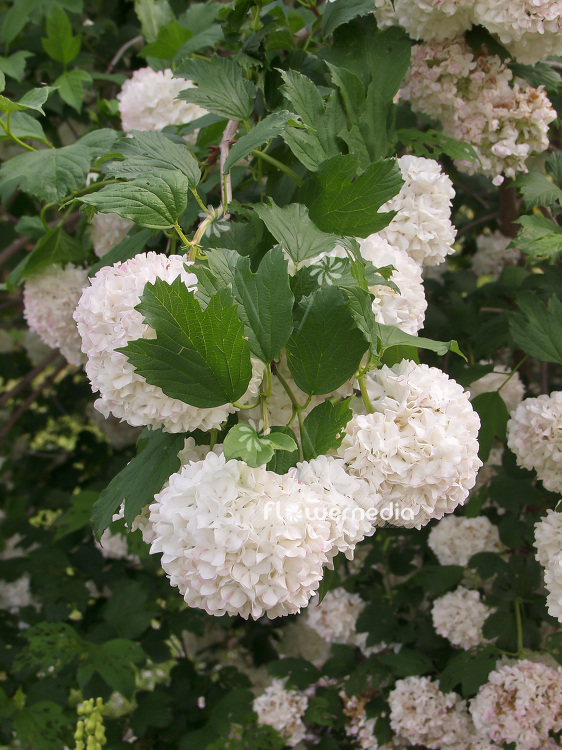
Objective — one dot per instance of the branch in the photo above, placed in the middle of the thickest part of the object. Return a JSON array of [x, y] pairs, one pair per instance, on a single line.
[[121, 51], [27, 379], [224, 147], [20, 411]]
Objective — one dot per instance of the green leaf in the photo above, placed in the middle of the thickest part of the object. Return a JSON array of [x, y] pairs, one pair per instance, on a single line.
[[299, 672], [42, 726], [265, 303], [62, 169], [379, 620], [342, 11], [32, 99], [389, 60], [436, 580], [124, 250], [540, 238], [114, 661], [406, 662], [326, 584], [537, 328], [268, 128], [127, 611], [14, 65], [318, 141], [77, 516], [324, 428], [293, 228], [494, 416], [433, 143], [71, 85], [140, 480], [340, 203], [168, 42], [156, 202], [17, 17], [198, 356], [153, 15], [23, 126], [469, 669], [537, 190], [540, 74], [553, 165], [206, 38], [60, 44], [283, 460], [56, 246], [147, 152], [325, 348], [244, 442], [222, 87]]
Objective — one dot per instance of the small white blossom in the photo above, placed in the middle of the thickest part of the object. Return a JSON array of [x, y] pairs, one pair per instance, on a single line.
[[459, 616], [426, 19], [534, 434], [493, 254], [49, 300], [455, 539], [283, 710], [548, 541], [107, 231], [512, 390]]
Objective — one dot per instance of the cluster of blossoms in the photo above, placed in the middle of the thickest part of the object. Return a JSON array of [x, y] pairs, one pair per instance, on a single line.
[[266, 537], [418, 448], [520, 703], [473, 97], [283, 710], [49, 300], [493, 254], [107, 321], [148, 101], [534, 434], [459, 616], [422, 228], [107, 231], [530, 29], [334, 619], [358, 727], [548, 541], [455, 539], [511, 389]]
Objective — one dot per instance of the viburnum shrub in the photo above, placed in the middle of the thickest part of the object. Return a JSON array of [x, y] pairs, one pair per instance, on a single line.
[[281, 402]]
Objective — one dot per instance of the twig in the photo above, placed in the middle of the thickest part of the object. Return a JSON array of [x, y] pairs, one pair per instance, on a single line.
[[27, 379], [21, 242], [121, 51], [224, 148], [476, 222], [509, 208], [20, 411]]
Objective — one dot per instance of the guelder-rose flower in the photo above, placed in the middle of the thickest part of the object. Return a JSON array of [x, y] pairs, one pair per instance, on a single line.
[[283, 710], [548, 541], [534, 434], [511, 389], [107, 231], [459, 616], [419, 447], [49, 300], [493, 254], [107, 320], [426, 19], [455, 539]]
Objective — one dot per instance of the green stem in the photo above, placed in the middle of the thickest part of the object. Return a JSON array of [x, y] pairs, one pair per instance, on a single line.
[[513, 372], [88, 189], [365, 395], [246, 406], [199, 201], [519, 626], [279, 164], [7, 130], [288, 391], [182, 237], [214, 437]]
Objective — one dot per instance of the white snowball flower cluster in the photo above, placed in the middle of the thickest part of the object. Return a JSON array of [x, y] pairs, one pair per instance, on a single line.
[[147, 101], [49, 300], [107, 321], [520, 703], [107, 231], [493, 254], [512, 392], [35, 348], [16, 594], [472, 96], [335, 617], [358, 727], [548, 541], [534, 434], [426, 19], [423, 715], [113, 546], [419, 448], [283, 710], [530, 29], [455, 539], [459, 616], [422, 226], [242, 540]]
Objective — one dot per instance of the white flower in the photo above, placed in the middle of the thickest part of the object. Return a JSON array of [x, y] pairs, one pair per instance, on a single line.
[[512, 392], [113, 546], [455, 539], [419, 448], [335, 617], [530, 29], [493, 254], [107, 321], [421, 714], [406, 309], [520, 703], [147, 101], [118, 434], [16, 594], [35, 348], [548, 541], [422, 227], [107, 231], [473, 97], [283, 710], [49, 300], [358, 727], [459, 616], [534, 434], [239, 540], [426, 19]]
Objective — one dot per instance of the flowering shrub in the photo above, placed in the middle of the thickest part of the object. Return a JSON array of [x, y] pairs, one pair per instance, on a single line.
[[281, 330]]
